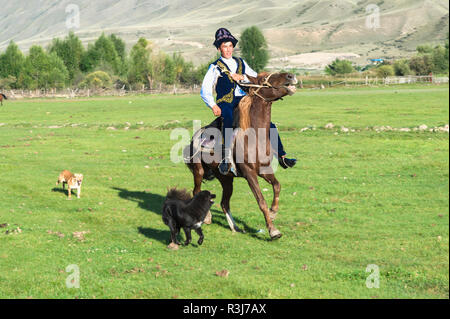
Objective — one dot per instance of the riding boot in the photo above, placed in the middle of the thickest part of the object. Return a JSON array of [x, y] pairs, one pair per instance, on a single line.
[[227, 157], [286, 162], [225, 165]]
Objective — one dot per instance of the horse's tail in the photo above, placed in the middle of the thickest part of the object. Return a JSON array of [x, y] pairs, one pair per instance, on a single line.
[[4, 96]]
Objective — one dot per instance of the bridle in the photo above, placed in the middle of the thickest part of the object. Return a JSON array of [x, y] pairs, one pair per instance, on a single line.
[[265, 84]]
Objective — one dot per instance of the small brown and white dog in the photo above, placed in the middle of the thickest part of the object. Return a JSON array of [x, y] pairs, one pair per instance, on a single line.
[[73, 181]]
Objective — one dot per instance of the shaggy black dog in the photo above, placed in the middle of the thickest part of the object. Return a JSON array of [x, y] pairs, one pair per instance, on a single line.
[[180, 210]]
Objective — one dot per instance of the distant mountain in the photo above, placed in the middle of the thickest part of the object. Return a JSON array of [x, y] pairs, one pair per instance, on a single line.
[[360, 29]]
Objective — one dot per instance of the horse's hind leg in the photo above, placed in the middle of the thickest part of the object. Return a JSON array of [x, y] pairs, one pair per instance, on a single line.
[[198, 172], [227, 191], [270, 178]]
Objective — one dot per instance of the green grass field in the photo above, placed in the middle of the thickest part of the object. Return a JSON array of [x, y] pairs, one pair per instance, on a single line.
[[354, 199]]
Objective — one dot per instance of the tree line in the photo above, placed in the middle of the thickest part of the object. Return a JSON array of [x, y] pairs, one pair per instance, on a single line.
[[104, 63], [427, 60]]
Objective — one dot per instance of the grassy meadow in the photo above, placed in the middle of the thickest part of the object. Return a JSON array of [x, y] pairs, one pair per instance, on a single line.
[[357, 198]]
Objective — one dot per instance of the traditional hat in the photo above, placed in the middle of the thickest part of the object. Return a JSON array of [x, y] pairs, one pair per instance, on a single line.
[[223, 35]]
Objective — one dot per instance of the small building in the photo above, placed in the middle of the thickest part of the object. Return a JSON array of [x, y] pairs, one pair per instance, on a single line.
[[376, 61]]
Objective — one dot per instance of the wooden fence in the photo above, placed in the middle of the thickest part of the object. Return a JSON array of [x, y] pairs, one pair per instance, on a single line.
[[71, 93], [314, 82]]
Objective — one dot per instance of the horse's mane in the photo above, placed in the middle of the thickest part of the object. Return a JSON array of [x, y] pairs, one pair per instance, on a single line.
[[244, 112], [246, 103]]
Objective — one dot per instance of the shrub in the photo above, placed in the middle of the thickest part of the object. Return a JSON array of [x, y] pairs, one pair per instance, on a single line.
[[339, 67], [401, 67], [384, 71], [97, 79]]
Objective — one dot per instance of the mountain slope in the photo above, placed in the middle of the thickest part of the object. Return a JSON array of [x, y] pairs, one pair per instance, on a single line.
[[291, 27]]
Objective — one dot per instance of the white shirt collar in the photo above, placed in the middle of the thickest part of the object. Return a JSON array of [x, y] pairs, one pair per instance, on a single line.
[[227, 60]]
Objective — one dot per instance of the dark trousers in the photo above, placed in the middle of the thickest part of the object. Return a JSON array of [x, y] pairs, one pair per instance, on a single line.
[[227, 117]]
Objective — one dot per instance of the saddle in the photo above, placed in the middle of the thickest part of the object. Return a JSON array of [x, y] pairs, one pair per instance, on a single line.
[[202, 142]]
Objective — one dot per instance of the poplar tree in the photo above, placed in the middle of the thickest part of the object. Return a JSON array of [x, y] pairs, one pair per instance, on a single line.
[[253, 47]]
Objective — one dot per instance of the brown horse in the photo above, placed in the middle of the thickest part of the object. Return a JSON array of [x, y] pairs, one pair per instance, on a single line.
[[264, 90], [2, 96]]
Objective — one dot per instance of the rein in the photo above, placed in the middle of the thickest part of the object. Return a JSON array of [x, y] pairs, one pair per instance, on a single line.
[[266, 84]]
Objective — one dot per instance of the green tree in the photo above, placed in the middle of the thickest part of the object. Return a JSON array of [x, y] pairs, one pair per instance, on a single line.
[[439, 58], [11, 63], [8, 82], [384, 71], [401, 67], [101, 54], [139, 63], [254, 48], [339, 67], [71, 51], [163, 68], [184, 71], [421, 65], [90, 59], [446, 47], [43, 70], [106, 53], [424, 49], [120, 47]]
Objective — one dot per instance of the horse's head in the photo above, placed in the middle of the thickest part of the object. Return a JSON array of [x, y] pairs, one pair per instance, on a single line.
[[273, 86]]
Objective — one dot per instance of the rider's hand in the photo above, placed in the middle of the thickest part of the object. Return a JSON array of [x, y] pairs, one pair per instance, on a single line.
[[216, 110], [237, 77]]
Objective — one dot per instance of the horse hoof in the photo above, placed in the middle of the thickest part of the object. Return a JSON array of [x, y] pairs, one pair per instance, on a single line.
[[275, 234], [237, 230]]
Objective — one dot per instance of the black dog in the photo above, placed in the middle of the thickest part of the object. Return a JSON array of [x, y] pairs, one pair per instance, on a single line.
[[180, 210]]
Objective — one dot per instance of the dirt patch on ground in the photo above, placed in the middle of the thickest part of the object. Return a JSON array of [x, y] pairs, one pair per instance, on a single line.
[[314, 60]]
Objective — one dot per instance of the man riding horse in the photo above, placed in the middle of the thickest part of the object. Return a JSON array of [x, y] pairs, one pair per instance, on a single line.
[[224, 74], [255, 137]]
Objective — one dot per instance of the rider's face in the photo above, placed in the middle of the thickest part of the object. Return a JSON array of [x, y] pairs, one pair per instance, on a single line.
[[226, 50]]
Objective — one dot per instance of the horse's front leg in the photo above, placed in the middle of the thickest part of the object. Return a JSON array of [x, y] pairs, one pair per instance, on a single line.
[[270, 178], [252, 180], [227, 191]]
